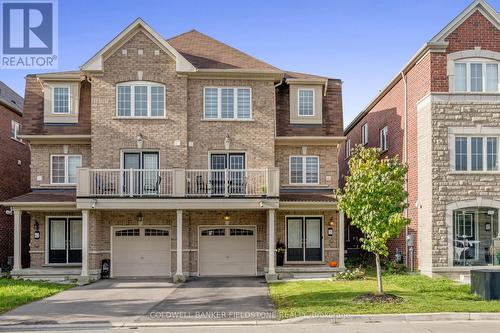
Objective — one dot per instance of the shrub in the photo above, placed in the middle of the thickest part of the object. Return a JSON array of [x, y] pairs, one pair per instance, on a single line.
[[393, 267], [351, 274]]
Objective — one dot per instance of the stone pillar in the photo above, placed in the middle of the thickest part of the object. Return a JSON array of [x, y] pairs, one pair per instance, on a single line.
[[179, 276], [341, 239], [84, 276], [271, 237], [17, 240]]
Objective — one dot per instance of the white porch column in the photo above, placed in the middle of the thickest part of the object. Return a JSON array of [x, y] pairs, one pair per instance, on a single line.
[[341, 239], [85, 243], [179, 276], [271, 237], [17, 240]]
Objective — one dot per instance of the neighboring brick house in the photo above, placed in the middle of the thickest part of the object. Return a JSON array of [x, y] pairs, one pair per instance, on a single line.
[[440, 116], [14, 171], [158, 145]]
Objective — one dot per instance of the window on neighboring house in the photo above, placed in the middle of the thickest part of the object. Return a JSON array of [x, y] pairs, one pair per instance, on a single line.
[[364, 134], [63, 168], [15, 130], [383, 139], [306, 102], [348, 148], [140, 99], [61, 100], [227, 103], [304, 169], [476, 76], [476, 153]]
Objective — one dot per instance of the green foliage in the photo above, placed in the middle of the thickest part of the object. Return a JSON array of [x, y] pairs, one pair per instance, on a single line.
[[363, 259], [393, 267], [374, 198], [350, 274]]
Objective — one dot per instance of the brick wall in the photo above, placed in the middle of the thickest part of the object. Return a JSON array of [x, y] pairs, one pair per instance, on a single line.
[[14, 181]]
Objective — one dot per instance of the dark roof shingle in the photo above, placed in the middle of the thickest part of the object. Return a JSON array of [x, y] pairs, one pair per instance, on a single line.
[[10, 98], [46, 196]]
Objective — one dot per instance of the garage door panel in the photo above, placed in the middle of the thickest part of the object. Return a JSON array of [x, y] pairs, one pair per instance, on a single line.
[[228, 254], [146, 253]]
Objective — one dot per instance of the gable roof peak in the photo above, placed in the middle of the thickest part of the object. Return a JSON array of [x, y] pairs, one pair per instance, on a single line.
[[484, 8]]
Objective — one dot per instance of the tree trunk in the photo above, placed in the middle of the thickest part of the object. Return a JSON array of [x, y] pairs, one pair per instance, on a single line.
[[380, 290]]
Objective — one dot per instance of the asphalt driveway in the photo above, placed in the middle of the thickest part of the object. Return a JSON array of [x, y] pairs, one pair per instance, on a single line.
[[217, 298], [117, 301]]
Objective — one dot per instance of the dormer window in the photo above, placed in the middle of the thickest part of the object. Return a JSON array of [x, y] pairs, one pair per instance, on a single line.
[[61, 103], [140, 100], [306, 102], [476, 76]]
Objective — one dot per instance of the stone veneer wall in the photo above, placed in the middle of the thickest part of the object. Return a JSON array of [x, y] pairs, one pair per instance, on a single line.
[[448, 187]]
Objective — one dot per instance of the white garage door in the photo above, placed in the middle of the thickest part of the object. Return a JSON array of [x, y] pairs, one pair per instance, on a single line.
[[141, 251], [227, 251]]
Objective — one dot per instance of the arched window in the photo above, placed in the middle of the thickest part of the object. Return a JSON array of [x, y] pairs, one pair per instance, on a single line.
[[474, 71]]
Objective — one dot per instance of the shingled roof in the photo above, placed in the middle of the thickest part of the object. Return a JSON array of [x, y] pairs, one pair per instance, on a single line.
[[10, 98], [205, 52]]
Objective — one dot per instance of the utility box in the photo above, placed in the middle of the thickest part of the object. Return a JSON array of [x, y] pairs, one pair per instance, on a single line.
[[485, 283]]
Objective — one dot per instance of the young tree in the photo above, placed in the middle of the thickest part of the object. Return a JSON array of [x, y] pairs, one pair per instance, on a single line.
[[374, 199]]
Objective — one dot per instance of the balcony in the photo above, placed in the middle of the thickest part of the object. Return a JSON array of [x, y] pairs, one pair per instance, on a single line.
[[177, 183]]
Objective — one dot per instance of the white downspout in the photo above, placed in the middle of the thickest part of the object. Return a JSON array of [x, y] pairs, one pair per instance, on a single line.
[[405, 153]]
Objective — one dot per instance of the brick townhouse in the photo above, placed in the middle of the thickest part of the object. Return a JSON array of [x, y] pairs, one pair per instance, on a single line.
[[441, 115], [14, 172], [181, 157]]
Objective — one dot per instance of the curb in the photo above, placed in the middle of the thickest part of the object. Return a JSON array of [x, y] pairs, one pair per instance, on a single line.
[[331, 319]]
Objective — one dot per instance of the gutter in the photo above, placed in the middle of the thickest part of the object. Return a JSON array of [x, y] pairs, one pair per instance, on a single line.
[[405, 152]]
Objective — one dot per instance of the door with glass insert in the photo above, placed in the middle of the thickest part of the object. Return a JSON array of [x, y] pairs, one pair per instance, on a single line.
[[304, 239], [145, 175], [65, 240]]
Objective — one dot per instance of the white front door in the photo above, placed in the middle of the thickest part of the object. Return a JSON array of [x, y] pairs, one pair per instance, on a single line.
[[141, 251], [227, 251]]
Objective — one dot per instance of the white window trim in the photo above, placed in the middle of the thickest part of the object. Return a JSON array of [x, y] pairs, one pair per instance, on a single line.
[[364, 134], [304, 168], [132, 85], [17, 128], [313, 103], [348, 149], [66, 169], [235, 104], [384, 130], [54, 100], [468, 63], [469, 170]]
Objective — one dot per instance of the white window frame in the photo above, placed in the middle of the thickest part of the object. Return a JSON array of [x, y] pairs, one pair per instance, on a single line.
[[16, 127], [364, 134], [313, 103], [66, 169], [348, 148], [384, 132], [469, 153], [132, 85], [235, 104], [304, 169], [54, 98], [483, 62]]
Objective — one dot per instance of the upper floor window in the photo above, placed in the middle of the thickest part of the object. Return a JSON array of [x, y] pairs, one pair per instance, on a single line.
[[306, 102], [61, 98], [348, 148], [63, 168], [383, 144], [476, 153], [140, 99], [14, 131], [364, 134], [476, 76], [304, 170], [227, 103]]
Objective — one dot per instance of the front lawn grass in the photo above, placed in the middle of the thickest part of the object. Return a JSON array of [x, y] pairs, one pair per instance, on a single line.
[[14, 293], [420, 294]]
